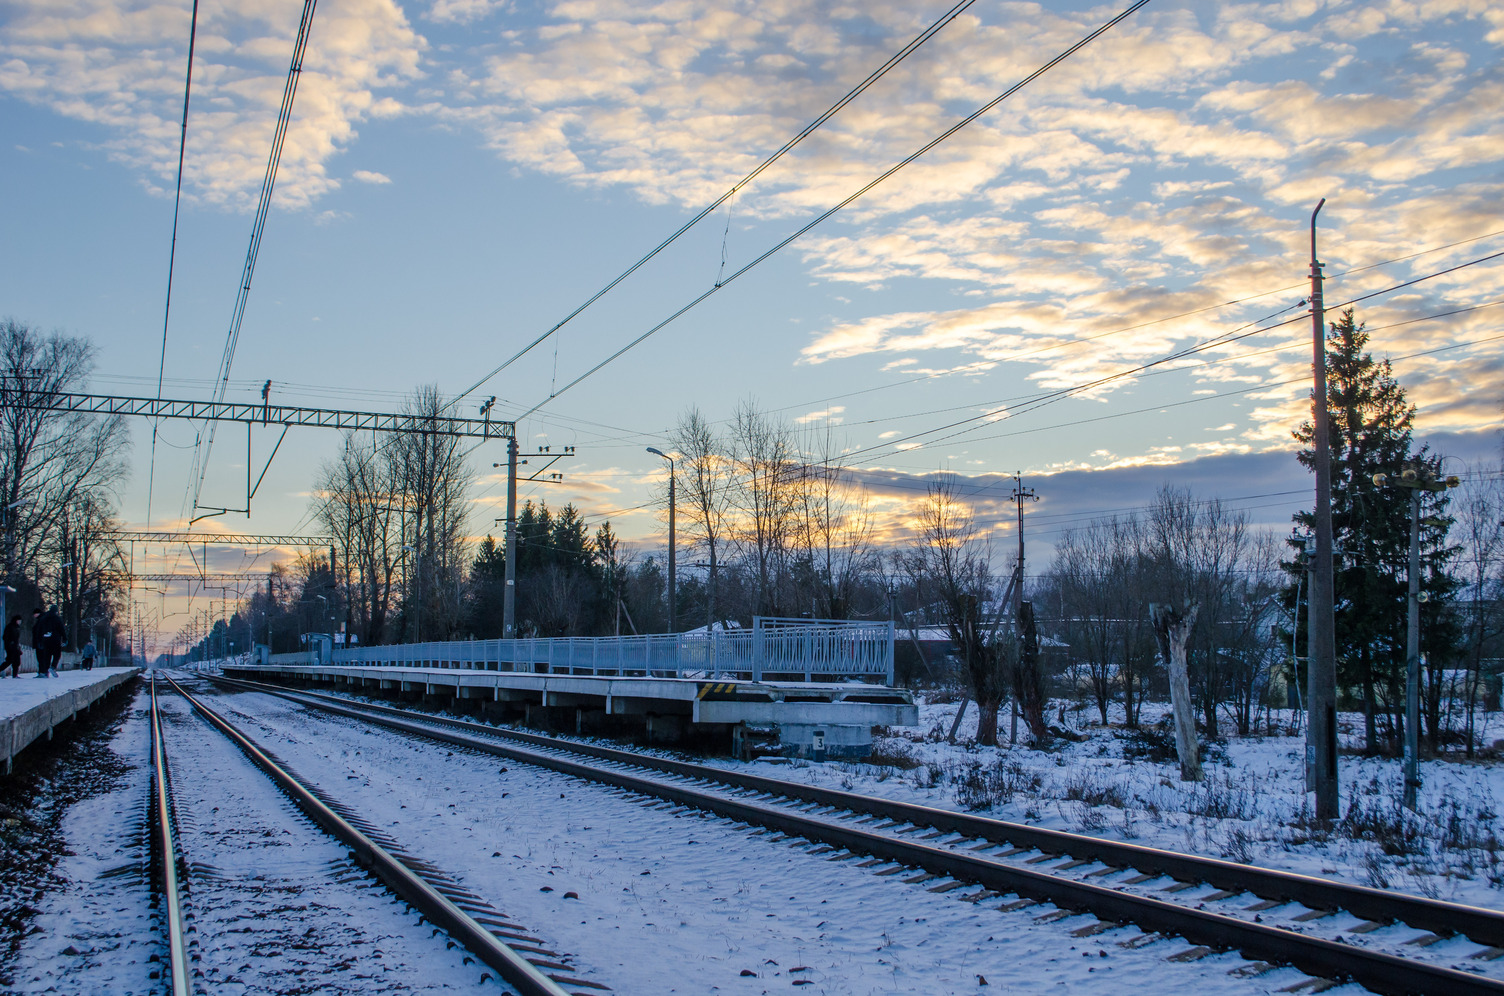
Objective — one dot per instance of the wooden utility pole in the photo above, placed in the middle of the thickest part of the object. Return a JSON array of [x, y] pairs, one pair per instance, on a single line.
[[1020, 495], [1321, 698]]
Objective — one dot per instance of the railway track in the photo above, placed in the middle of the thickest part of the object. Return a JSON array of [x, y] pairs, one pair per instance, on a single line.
[[1390, 943], [516, 955]]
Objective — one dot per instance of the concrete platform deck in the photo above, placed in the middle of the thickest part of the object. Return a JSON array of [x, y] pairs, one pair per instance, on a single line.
[[842, 713], [30, 706]]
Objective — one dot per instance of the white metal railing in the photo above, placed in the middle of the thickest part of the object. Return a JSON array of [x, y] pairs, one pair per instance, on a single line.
[[773, 647]]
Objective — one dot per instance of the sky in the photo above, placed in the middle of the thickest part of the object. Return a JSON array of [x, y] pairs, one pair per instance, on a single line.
[[460, 175]]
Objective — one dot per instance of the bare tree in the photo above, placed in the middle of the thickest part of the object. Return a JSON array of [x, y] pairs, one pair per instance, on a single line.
[[1196, 553], [704, 486], [54, 466], [765, 497], [833, 527], [1480, 518], [358, 503], [431, 474], [952, 561]]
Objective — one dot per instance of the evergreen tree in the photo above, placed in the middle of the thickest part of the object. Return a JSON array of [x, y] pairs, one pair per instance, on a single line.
[[485, 605], [1370, 429]]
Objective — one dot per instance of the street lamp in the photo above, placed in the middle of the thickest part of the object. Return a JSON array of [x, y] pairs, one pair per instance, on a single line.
[[1417, 477], [673, 591]]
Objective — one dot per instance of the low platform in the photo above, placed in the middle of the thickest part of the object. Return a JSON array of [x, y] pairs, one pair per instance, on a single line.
[[30, 706], [811, 719]]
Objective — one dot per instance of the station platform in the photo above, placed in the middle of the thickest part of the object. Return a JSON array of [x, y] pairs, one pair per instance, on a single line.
[[809, 719], [30, 707]]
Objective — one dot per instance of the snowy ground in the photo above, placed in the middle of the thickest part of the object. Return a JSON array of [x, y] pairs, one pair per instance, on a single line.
[[651, 900], [91, 917], [1251, 808], [17, 695]]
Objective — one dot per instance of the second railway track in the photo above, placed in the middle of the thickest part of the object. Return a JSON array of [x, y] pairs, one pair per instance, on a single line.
[[1388, 942], [246, 910]]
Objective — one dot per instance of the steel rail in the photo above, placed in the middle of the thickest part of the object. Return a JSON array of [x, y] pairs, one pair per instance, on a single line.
[[177, 943], [1485, 926], [512, 966], [1379, 972]]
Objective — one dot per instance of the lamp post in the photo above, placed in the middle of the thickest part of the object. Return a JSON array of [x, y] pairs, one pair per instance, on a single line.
[[673, 591], [1417, 477]]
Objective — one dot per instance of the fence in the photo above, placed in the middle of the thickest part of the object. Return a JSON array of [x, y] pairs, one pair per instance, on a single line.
[[781, 648]]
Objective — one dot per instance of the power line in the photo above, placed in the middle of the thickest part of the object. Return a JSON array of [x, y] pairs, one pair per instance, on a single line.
[[818, 220], [1220, 340], [705, 212], [172, 253], [268, 182]]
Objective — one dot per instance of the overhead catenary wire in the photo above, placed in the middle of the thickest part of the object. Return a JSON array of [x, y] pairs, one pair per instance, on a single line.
[[172, 254], [1217, 341], [732, 191], [851, 198], [258, 226]]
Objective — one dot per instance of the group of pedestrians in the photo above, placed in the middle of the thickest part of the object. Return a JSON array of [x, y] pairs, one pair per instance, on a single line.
[[46, 639]]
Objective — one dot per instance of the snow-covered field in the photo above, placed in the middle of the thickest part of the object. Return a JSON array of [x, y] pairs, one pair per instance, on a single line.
[[1251, 808]]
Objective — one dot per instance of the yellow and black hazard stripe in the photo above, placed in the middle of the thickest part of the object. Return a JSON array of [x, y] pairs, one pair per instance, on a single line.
[[717, 689]]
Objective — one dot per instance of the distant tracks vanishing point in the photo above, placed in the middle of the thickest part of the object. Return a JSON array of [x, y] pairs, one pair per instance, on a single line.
[[953, 851]]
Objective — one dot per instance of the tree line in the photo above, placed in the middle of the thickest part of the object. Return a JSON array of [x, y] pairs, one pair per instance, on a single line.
[[60, 475], [771, 522]]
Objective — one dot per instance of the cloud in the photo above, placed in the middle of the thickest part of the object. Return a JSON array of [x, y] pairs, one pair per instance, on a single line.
[[367, 176], [118, 66]]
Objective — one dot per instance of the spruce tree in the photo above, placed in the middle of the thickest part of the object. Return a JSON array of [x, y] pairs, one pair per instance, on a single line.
[[1371, 428]]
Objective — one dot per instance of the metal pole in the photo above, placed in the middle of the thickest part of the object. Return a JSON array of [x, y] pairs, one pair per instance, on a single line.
[[673, 586], [1412, 661], [509, 595], [1321, 732]]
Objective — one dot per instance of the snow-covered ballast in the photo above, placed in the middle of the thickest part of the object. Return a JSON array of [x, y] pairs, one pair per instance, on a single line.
[[732, 682]]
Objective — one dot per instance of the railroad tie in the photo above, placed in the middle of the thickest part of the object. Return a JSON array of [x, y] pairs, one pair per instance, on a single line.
[[1310, 915], [1192, 954], [1253, 969], [1093, 929], [1312, 986], [1426, 940], [1368, 927]]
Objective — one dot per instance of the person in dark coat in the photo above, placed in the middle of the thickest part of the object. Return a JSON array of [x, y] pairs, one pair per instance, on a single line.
[[13, 646], [36, 640], [50, 642]]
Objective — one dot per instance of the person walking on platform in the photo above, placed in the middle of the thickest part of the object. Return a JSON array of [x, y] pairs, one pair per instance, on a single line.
[[13, 646], [47, 637], [86, 656]]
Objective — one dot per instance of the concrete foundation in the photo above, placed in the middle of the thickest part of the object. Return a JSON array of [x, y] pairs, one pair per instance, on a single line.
[[809, 720]]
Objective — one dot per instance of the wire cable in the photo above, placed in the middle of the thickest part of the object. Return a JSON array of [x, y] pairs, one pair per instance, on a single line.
[[1221, 340], [820, 219], [172, 255], [268, 183], [706, 211]]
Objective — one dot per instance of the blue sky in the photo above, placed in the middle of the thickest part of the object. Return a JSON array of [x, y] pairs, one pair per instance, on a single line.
[[460, 174]]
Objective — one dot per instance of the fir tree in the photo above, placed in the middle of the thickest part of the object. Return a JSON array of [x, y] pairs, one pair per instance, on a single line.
[[1370, 429]]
